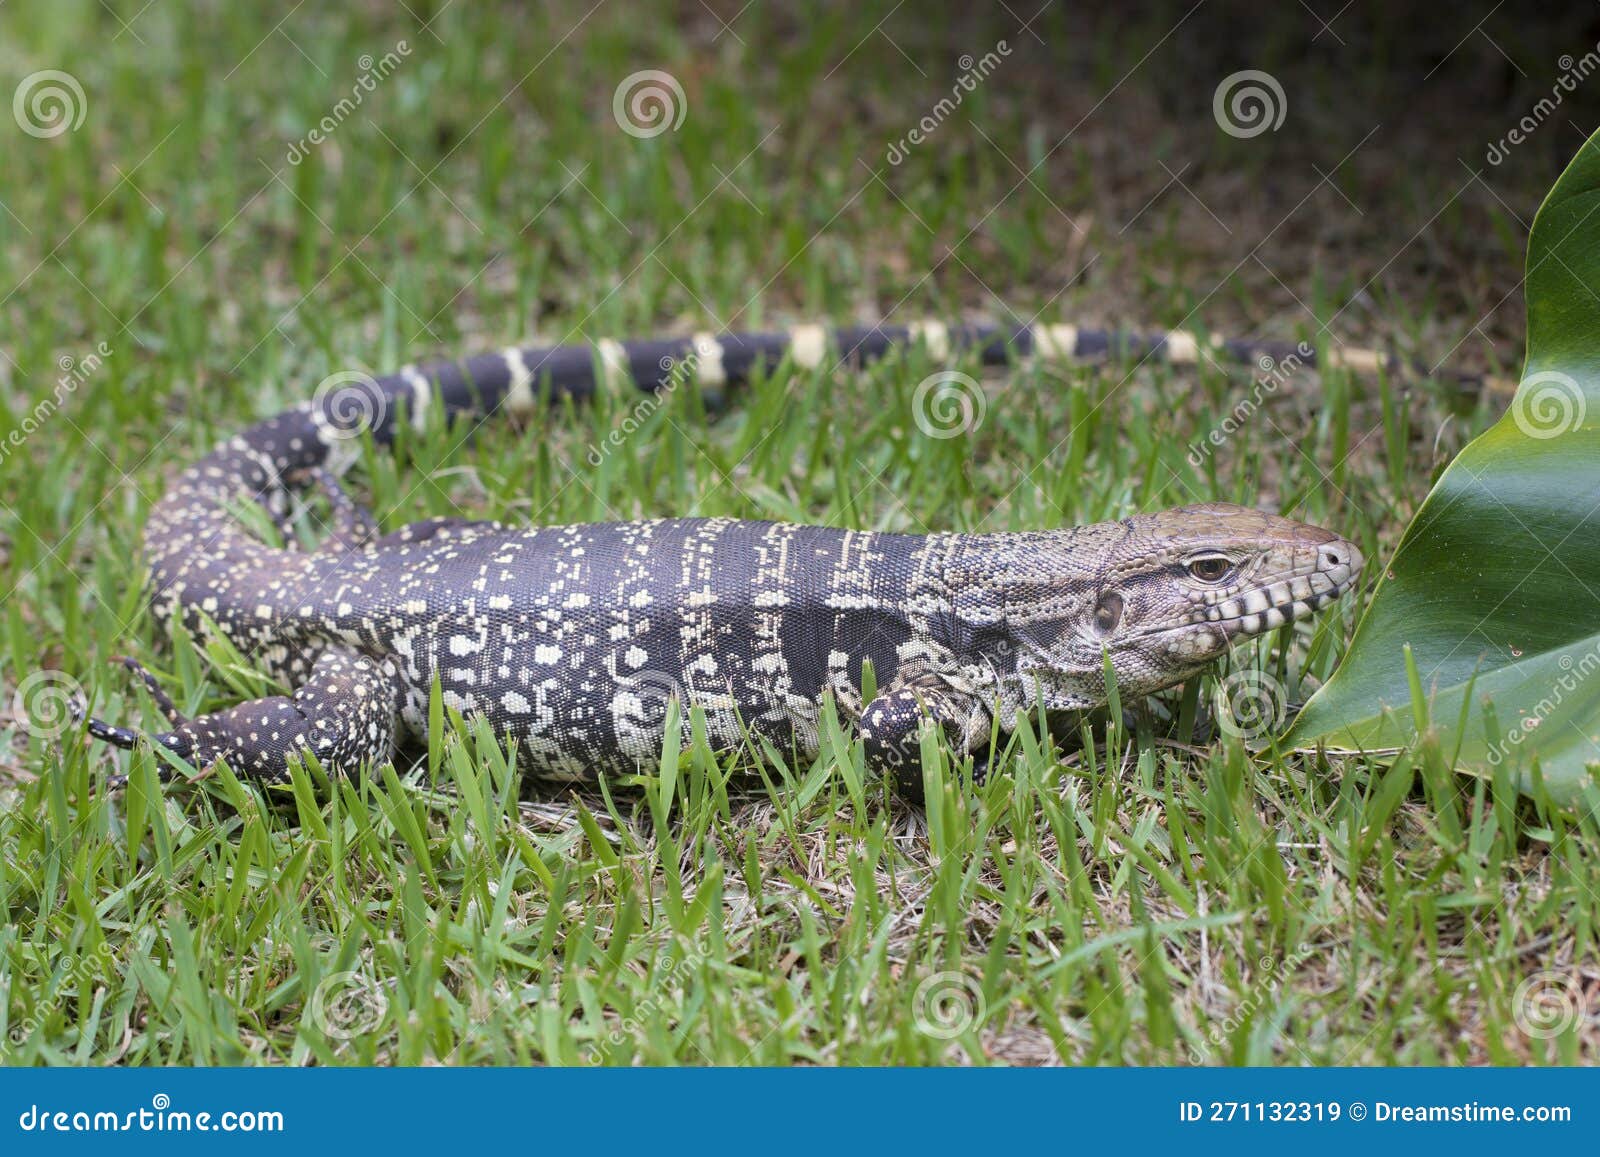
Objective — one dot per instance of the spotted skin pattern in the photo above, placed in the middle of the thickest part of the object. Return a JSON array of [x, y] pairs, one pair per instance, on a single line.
[[572, 640]]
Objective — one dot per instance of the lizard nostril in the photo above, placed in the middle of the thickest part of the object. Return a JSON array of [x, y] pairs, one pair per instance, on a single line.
[[1339, 556]]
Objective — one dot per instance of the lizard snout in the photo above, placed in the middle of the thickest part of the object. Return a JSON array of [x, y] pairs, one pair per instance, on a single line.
[[1340, 562]]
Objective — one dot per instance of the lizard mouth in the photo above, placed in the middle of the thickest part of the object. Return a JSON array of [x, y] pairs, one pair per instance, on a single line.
[[1294, 596]]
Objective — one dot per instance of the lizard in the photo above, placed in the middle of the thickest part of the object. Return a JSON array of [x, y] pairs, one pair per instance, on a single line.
[[572, 640]]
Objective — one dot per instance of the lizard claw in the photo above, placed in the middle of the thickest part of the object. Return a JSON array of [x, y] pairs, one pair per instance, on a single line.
[[154, 687], [126, 737], [120, 782], [123, 737]]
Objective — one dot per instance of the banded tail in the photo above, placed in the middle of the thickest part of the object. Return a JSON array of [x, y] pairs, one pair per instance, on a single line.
[[517, 377], [193, 532]]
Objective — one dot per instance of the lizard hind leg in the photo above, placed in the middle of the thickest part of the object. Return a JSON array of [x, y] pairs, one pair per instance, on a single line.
[[126, 737], [344, 714], [352, 526]]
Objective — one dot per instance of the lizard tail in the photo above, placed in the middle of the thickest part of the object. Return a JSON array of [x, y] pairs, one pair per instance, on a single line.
[[196, 545]]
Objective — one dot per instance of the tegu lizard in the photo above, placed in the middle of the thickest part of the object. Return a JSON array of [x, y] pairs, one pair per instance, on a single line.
[[571, 640]]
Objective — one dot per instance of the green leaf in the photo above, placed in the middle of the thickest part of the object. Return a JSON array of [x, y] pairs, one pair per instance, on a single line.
[[1495, 586]]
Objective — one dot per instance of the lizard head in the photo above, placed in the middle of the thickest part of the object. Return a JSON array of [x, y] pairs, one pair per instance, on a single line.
[[1161, 594]]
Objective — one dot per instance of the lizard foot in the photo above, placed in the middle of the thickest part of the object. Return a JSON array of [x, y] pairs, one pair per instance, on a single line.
[[344, 714], [891, 727]]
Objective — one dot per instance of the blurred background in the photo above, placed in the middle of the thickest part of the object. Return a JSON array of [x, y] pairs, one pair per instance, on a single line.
[[479, 188]]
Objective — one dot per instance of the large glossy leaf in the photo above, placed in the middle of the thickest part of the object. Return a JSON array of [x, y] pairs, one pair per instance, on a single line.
[[1495, 585]]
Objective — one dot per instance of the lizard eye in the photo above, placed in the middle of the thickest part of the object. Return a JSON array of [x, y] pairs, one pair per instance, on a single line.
[[1211, 568]]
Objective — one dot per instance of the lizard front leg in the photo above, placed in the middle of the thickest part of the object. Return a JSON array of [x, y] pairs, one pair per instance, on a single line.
[[891, 726], [344, 714]]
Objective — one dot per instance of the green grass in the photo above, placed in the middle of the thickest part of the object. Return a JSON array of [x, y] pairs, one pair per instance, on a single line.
[[1163, 896]]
